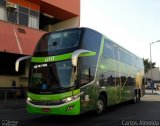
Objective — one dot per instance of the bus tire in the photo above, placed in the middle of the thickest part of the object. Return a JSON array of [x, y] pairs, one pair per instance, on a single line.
[[101, 105]]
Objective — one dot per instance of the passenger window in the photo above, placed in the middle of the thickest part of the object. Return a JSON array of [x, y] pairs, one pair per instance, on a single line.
[[102, 80], [123, 56], [108, 49], [84, 77], [116, 53], [107, 78]]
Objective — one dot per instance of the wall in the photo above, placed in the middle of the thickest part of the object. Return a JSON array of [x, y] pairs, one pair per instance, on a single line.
[[155, 74], [12, 39], [6, 81], [70, 23], [72, 6]]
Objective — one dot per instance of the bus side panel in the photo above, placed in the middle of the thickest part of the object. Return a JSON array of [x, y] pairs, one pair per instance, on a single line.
[[89, 97], [91, 41], [118, 71]]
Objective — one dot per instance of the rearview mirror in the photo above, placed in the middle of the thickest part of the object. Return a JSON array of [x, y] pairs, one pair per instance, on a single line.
[[19, 60]]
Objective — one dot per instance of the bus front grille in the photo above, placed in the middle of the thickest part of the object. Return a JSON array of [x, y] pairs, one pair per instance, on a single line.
[[47, 103]]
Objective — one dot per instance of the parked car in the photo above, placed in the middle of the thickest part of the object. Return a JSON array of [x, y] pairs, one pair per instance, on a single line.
[[149, 85]]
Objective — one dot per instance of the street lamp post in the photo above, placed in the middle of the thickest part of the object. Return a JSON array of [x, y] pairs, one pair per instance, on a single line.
[[151, 63]]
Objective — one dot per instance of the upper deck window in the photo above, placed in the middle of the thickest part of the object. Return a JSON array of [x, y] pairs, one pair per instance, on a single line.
[[108, 49], [58, 41]]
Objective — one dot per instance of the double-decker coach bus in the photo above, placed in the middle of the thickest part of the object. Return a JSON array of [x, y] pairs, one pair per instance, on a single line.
[[77, 70]]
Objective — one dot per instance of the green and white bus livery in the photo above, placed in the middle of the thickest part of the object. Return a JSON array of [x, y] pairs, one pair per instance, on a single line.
[[77, 70]]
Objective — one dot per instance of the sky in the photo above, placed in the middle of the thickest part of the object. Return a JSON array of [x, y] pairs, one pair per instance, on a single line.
[[133, 24]]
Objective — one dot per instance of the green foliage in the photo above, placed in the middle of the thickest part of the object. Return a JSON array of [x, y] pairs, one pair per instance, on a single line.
[[147, 65]]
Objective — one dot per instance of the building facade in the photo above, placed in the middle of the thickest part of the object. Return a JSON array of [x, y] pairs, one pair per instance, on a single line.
[[155, 74], [22, 23]]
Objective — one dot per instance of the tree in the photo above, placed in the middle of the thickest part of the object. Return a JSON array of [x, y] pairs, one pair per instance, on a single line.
[[147, 65]]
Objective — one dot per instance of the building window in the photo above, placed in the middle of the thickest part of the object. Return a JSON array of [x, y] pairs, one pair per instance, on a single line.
[[23, 15], [33, 19], [33, 22], [2, 3], [34, 13], [12, 15], [3, 13], [20, 15], [12, 12], [23, 19], [23, 10]]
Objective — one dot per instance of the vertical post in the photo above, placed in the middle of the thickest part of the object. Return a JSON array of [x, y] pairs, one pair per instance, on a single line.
[[152, 83], [151, 66]]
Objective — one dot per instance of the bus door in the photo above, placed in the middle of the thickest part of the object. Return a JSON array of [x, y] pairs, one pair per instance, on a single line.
[[117, 74]]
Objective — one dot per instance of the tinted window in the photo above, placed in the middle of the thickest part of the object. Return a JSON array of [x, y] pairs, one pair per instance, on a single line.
[[23, 9], [108, 49], [64, 40], [51, 75], [91, 40], [84, 77], [23, 19], [34, 13], [107, 78], [124, 57], [116, 53], [139, 63], [58, 43], [132, 59], [12, 15], [2, 3]]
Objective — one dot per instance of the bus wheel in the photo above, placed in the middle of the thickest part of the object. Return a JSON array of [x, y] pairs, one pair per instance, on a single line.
[[101, 105]]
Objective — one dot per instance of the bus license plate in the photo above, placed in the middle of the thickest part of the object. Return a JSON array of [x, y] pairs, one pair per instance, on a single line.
[[46, 110]]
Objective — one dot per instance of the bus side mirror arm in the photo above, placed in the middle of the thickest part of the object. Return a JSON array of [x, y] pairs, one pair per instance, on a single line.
[[74, 59], [76, 54], [19, 60]]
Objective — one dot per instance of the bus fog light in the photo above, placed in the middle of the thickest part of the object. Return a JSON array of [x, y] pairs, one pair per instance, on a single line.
[[70, 108]]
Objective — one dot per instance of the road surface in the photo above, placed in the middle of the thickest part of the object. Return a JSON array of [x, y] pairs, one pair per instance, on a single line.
[[145, 112]]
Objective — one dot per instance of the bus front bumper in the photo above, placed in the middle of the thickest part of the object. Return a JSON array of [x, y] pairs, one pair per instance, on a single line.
[[70, 108]]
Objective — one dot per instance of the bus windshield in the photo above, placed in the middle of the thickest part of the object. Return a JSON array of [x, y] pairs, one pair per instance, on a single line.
[[51, 76], [57, 42]]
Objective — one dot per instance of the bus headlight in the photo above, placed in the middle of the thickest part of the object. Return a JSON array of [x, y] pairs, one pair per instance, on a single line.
[[29, 99], [67, 99]]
